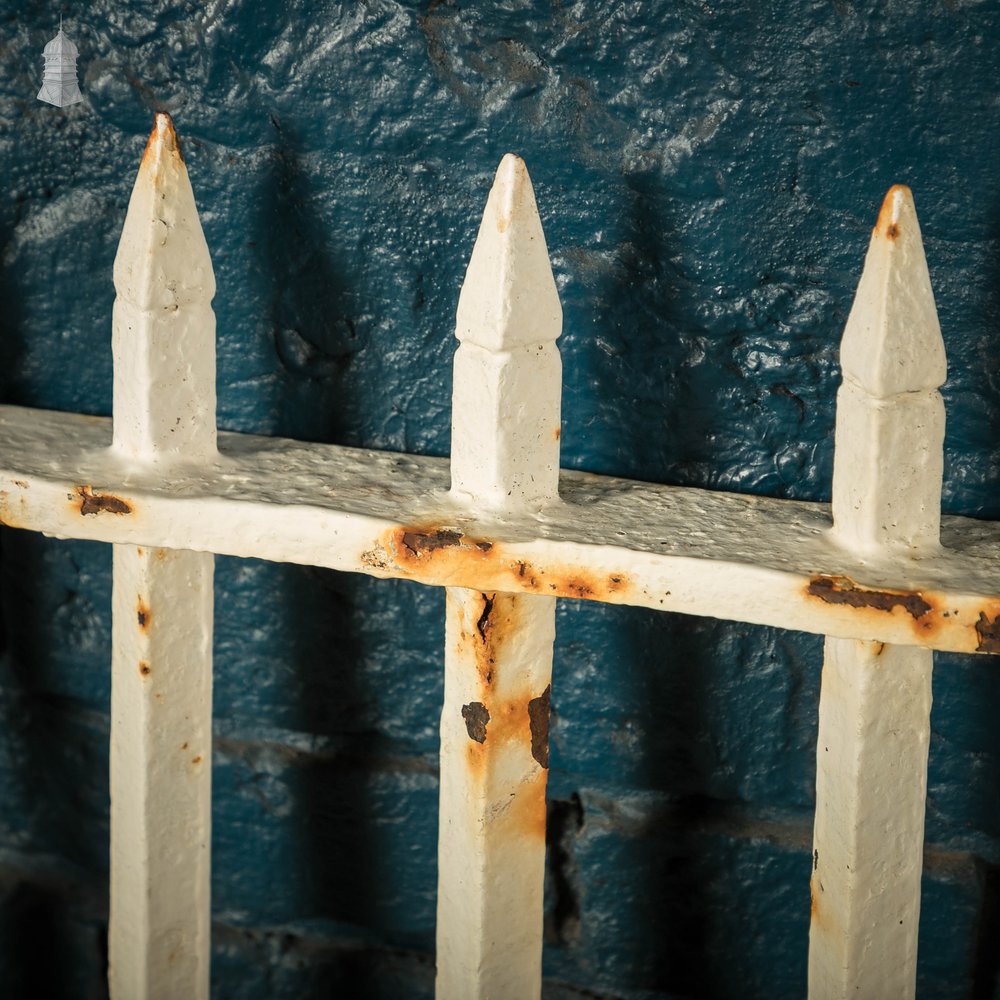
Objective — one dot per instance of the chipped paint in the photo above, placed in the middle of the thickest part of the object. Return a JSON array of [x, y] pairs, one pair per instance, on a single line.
[[101, 503], [444, 555], [538, 716], [988, 633], [843, 590], [477, 718]]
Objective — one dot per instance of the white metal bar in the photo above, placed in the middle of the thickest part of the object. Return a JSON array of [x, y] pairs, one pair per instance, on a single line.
[[751, 559], [874, 714], [161, 702], [498, 653]]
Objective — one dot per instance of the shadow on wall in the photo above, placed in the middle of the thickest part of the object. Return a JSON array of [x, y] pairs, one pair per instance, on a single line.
[[652, 669], [53, 751], [985, 954], [316, 342], [314, 298]]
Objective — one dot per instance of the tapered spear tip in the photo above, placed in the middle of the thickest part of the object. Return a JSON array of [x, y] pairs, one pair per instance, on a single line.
[[162, 140], [510, 182], [892, 343], [897, 203], [509, 296]]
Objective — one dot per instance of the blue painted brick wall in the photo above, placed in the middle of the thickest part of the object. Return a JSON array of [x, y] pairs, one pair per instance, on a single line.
[[707, 173]]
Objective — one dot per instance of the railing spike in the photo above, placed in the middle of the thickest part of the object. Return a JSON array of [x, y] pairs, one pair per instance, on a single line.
[[161, 693], [874, 726], [892, 342], [498, 646]]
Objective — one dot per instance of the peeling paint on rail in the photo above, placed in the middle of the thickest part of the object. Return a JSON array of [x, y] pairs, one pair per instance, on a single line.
[[100, 503], [443, 555]]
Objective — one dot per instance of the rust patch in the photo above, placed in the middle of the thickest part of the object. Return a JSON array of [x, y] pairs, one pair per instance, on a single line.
[[886, 225], [196, 760], [476, 717], [557, 433], [538, 718], [842, 590], [144, 668], [184, 746], [419, 542], [21, 483], [441, 554], [99, 503], [988, 633], [143, 615]]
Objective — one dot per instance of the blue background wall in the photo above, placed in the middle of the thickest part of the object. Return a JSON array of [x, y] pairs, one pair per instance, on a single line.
[[708, 172]]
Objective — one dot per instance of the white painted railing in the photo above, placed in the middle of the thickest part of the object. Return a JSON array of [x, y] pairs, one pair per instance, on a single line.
[[506, 532]]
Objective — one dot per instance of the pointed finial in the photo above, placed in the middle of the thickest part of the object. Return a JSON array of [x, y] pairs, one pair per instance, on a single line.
[[164, 327], [892, 342], [163, 219], [509, 296]]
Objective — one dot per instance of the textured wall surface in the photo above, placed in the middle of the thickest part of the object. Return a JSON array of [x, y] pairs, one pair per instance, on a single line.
[[708, 172]]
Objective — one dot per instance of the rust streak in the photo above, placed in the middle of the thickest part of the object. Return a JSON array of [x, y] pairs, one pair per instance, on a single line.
[[476, 717], [99, 503], [484, 624], [170, 142], [842, 590], [538, 717]]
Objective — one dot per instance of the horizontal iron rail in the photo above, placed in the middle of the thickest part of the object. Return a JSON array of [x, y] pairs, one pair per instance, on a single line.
[[744, 558]]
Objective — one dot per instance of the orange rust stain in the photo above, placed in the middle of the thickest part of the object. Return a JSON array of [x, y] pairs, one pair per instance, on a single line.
[[441, 554], [509, 723], [924, 610], [184, 746], [196, 760], [557, 433], [813, 901], [527, 812], [170, 141], [886, 226], [139, 552], [143, 615], [161, 554], [100, 503], [144, 668]]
